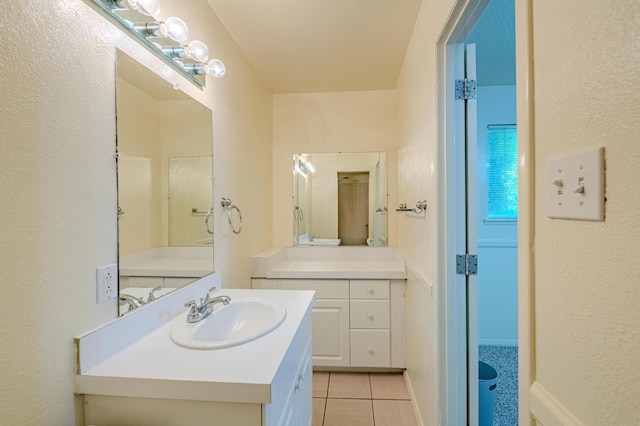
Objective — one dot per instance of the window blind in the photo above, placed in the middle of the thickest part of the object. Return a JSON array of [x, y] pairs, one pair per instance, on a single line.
[[502, 172]]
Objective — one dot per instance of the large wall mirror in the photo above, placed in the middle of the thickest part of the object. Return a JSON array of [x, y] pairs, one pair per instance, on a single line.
[[340, 199], [165, 186]]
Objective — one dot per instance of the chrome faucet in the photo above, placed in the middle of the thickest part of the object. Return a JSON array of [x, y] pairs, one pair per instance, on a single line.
[[132, 301], [152, 295], [313, 237], [199, 312]]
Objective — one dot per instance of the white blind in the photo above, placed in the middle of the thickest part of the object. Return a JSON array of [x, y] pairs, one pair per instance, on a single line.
[[502, 171]]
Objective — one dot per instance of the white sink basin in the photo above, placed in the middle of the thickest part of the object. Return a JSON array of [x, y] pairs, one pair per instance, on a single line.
[[244, 319], [321, 242]]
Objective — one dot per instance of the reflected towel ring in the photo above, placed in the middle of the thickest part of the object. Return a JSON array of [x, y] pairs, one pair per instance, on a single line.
[[233, 228], [206, 221]]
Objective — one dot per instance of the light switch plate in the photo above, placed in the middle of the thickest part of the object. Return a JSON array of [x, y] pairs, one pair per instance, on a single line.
[[575, 186]]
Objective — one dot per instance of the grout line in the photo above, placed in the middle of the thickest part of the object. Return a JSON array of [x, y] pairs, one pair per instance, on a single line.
[[324, 413]]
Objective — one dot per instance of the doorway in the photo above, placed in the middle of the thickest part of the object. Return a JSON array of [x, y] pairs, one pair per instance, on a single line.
[[353, 208], [471, 229]]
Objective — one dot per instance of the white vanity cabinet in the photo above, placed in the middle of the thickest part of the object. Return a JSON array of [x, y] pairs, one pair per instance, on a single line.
[[330, 317], [355, 323], [148, 380]]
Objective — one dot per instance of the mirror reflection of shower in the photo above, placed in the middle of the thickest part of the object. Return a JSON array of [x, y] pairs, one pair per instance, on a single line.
[[315, 197], [353, 208]]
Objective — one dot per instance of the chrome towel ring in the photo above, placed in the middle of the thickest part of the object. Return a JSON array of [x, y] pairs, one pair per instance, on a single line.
[[229, 206]]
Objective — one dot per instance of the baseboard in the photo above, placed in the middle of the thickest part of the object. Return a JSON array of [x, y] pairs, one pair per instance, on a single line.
[[412, 395], [547, 409]]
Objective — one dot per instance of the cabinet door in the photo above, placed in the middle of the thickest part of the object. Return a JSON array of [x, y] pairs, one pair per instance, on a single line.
[[330, 319], [305, 392]]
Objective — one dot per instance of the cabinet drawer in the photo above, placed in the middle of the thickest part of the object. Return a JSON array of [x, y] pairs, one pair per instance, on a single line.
[[370, 314], [369, 289], [370, 348], [325, 289]]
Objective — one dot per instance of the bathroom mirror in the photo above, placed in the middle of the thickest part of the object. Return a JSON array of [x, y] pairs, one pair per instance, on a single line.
[[165, 185], [340, 199]]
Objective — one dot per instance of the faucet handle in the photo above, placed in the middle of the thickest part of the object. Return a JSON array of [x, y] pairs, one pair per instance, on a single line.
[[152, 296], [207, 297]]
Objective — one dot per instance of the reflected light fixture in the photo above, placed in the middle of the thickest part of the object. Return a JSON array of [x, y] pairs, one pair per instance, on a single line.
[[306, 167], [168, 37]]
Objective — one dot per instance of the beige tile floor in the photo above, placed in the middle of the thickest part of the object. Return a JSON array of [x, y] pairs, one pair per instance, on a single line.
[[361, 399]]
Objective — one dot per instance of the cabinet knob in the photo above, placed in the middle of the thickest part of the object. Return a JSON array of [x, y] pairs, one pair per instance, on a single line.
[[370, 290], [370, 315], [370, 350]]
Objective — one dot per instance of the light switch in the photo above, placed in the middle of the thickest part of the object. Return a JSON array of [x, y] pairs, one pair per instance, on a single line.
[[575, 186]]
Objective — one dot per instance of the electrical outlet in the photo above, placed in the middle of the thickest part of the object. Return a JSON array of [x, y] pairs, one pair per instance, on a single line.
[[106, 282]]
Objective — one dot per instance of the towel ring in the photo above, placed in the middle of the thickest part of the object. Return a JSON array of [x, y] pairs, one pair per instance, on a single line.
[[206, 221], [233, 228]]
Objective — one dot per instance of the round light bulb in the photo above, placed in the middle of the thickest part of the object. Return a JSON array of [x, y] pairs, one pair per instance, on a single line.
[[148, 7], [176, 29], [198, 51], [215, 68]]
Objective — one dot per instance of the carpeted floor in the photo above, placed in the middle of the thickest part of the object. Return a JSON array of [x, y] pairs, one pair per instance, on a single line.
[[505, 360]]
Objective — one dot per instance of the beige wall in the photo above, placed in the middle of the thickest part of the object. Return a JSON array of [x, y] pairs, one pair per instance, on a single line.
[[139, 169], [328, 123], [59, 185], [417, 180], [587, 57]]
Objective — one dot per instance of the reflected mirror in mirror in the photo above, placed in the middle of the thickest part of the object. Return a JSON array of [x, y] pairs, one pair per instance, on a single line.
[[165, 188], [340, 199]]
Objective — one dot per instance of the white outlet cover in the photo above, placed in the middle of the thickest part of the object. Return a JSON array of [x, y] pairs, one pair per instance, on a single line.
[[575, 186], [106, 282]]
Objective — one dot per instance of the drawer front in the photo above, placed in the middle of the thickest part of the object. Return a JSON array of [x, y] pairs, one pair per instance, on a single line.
[[370, 314], [370, 348], [369, 289], [325, 289]]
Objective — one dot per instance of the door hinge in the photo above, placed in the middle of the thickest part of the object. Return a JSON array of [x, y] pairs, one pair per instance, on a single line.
[[467, 264], [466, 89]]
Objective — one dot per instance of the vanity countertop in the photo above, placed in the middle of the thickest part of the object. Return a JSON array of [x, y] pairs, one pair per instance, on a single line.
[[155, 367], [330, 262]]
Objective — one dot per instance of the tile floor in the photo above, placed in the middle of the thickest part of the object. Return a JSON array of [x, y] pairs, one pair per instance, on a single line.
[[361, 399], [505, 360]]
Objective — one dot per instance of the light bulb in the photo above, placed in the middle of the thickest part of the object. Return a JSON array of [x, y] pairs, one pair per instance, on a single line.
[[148, 7], [215, 68], [176, 29], [199, 51]]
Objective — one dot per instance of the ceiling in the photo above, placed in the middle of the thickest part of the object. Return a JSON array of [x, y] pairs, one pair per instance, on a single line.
[[495, 38], [322, 45], [349, 45]]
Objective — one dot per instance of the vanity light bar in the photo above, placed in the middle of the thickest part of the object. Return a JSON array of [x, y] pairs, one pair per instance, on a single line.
[[172, 28]]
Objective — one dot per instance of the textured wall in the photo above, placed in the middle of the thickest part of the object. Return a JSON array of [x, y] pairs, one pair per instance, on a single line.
[[587, 59], [58, 184], [417, 180]]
